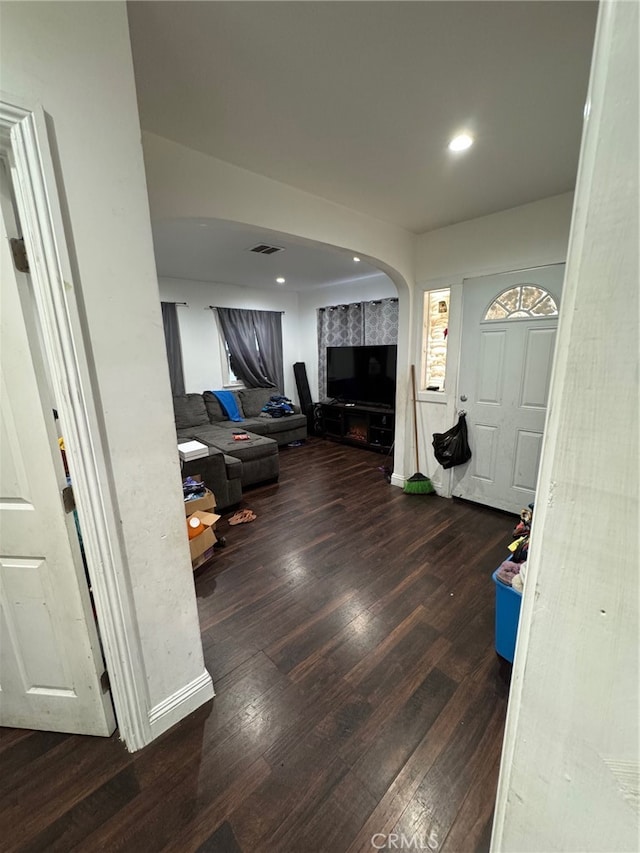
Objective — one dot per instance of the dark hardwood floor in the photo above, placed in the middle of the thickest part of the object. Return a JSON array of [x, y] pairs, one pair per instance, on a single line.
[[349, 632]]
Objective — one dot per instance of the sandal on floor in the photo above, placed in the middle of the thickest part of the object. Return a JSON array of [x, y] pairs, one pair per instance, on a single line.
[[242, 516]]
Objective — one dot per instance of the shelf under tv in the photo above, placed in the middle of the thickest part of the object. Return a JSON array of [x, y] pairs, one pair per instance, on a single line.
[[360, 424]]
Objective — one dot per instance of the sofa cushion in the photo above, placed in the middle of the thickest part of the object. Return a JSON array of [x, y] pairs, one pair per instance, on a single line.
[[257, 447], [273, 426], [214, 409], [253, 399], [189, 411], [233, 466], [212, 434]]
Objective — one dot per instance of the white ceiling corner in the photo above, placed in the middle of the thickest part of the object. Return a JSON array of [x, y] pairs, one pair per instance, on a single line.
[[356, 102]]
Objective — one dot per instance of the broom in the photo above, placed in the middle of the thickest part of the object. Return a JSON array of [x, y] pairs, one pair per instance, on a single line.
[[418, 484]]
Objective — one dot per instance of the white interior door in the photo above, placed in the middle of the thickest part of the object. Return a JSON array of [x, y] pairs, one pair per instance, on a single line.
[[505, 369], [50, 659]]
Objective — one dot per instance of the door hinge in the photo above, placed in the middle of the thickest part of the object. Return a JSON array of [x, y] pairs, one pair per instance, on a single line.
[[105, 684], [68, 499], [19, 252]]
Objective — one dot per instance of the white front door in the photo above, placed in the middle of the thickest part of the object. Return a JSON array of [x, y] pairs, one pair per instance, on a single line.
[[50, 659], [509, 324]]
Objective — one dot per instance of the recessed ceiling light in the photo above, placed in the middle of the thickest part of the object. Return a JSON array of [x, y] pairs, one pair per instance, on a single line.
[[280, 280], [357, 260], [461, 142]]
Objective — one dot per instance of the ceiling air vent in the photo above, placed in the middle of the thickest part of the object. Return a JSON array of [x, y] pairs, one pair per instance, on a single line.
[[263, 249]]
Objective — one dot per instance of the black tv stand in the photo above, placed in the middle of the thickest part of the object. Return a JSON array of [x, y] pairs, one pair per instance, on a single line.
[[358, 424]]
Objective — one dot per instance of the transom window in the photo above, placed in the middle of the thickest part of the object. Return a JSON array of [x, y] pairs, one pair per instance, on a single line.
[[523, 301]]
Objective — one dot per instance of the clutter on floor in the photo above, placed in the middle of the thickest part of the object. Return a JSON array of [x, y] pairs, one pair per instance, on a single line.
[[509, 579], [243, 516], [201, 520], [512, 567]]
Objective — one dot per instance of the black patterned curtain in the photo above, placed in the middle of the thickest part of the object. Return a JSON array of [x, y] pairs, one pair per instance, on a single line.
[[354, 324], [338, 326]]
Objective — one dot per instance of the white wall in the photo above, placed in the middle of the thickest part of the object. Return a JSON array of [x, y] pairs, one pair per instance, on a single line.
[[75, 60], [199, 329], [531, 235], [526, 236], [186, 183], [569, 775], [376, 287]]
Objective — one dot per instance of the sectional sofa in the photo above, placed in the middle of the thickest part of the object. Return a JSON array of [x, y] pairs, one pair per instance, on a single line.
[[231, 464]]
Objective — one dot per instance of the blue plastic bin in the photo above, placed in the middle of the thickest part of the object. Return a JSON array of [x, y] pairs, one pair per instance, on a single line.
[[508, 601]]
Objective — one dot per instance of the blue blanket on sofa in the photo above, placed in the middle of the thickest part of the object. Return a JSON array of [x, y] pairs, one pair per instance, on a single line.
[[229, 405]]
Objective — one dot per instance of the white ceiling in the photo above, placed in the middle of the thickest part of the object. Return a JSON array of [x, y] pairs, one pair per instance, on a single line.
[[356, 101], [217, 251]]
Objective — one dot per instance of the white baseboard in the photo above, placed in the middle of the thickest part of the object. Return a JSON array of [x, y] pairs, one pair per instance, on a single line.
[[399, 480], [180, 704]]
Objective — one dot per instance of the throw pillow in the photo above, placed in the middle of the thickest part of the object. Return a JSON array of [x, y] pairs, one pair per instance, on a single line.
[[189, 411]]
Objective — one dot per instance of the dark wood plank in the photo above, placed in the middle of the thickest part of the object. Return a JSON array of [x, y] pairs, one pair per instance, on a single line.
[[443, 791], [399, 737], [91, 812], [403, 788], [349, 631], [474, 819], [222, 841]]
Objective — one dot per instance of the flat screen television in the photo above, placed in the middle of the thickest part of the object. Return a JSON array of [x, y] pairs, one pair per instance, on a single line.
[[365, 374]]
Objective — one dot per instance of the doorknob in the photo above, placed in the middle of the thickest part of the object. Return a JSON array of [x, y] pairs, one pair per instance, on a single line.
[[463, 397]]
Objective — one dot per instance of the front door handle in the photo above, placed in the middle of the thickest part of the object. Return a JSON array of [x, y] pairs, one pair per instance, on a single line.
[[463, 397]]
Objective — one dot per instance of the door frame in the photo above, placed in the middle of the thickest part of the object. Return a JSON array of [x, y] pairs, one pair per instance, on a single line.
[[24, 140], [527, 275], [443, 479]]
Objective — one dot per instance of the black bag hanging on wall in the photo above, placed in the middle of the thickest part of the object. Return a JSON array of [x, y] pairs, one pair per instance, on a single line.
[[452, 447]]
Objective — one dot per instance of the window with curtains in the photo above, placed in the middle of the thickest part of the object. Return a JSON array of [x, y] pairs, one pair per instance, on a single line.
[[354, 324], [253, 342], [229, 379]]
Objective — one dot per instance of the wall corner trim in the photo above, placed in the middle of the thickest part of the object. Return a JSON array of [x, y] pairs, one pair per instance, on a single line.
[[397, 480], [180, 703], [24, 133]]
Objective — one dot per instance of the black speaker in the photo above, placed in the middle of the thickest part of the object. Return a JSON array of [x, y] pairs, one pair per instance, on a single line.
[[317, 419], [304, 394]]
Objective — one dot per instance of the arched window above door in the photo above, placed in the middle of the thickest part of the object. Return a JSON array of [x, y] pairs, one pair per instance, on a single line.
[[522, 301]]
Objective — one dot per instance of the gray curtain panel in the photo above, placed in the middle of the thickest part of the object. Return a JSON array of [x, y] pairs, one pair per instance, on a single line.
[[174, 349], [353, 325], [268, 328], [381, 322], [338, 326], [254, 339]]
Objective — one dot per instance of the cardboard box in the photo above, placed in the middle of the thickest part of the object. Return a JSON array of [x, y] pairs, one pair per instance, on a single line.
[[202, 543], [204, 504], [200, 561], [205, 541]]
